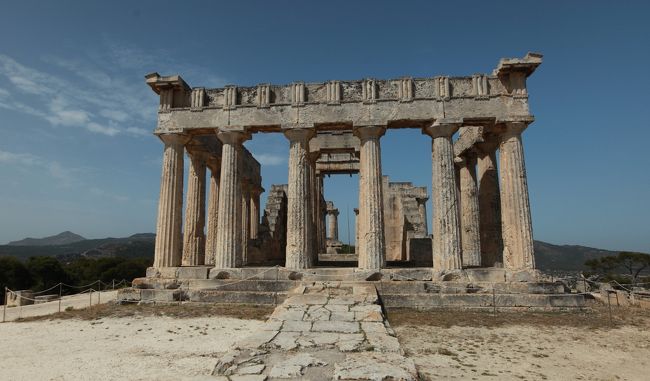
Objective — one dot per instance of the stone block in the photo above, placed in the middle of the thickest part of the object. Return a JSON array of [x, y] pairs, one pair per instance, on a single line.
[[149, 295], [260, 273], [19, 298], [336, 326], [492, 274], [129, 295], [45, 298], [224, 273], [192, 272]]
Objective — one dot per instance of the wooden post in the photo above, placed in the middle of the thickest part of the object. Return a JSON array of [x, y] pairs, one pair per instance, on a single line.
[[609, 304], [91, 298], [4, 311], [60, 294], [99, 294]]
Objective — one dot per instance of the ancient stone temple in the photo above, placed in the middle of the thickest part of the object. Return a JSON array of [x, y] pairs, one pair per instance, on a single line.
[[480, 222]]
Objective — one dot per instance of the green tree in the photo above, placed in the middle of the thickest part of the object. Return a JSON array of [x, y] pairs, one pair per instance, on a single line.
[[630, 263], [46, 272], [14, 275]]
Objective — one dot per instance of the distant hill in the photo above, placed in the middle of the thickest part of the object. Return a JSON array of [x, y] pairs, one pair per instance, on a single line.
[[548, 256], [135, 246], [566, 257], [60, 239]]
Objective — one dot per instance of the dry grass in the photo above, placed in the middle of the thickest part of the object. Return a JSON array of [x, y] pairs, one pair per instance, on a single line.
[[596, 316], [188, 310]]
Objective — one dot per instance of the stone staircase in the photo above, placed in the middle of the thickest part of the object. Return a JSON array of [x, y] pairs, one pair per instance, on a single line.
[[324, 331]]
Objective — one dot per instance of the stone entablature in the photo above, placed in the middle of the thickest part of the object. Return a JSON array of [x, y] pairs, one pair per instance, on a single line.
[[392, 103]]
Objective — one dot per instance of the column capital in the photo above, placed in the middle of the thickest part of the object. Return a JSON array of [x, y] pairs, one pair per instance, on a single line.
[[421, 200], [298, 133], [368, 131], [443, 127], [232, 136], [213, 163], [511, 128], [334, 212], [175, 138]]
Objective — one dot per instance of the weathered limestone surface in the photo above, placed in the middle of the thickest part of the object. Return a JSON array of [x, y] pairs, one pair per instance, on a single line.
[[194, 236], [298, 200], [213, 214], [170, 203], [228, 250], [515, 209], [372, 250], [322, 332], [489, 208], [245, 224], [469, 216], [446, 232], [332, 221], [404, 219]]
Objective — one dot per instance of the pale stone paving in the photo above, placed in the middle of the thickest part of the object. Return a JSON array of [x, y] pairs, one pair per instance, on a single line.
[[323, 331]]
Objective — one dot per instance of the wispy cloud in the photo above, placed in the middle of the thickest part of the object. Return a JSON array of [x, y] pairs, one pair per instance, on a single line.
[[54, 169], [270, 159]]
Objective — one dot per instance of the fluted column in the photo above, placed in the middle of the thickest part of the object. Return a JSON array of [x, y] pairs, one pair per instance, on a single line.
[[515, 208], [255, 213], [489, 203], [469, 215], [372, 244], [245, 221], [356, 231], [213, 213], [422, 211], [298, 255], [445, 224], [228, 250], [333, 224], [194, 235], [168, 227]]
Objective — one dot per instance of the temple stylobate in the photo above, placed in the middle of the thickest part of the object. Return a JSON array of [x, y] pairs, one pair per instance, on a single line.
[[481, 213]]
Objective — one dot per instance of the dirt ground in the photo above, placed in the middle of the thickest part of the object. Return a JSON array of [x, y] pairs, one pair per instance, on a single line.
[[112, 342], [182, 342], [527, 346]]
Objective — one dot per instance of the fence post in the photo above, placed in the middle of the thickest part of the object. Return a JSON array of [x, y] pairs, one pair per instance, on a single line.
[[609, 304], [60, 295], [4, 311], [113, 284], [91, 298], [99, 294]]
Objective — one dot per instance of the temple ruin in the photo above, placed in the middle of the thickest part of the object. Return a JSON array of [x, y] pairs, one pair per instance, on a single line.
[[480, 220]]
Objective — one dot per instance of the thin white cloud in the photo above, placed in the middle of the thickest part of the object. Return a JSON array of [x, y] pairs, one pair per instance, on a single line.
[[3, 93], [64, 175], [270, 159]]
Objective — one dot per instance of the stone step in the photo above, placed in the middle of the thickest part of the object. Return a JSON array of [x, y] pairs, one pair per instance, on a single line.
[[418, 287], [241, 285], [434, 301], [236, 297]]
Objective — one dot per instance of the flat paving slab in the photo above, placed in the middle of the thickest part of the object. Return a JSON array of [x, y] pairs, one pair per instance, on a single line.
[[324, 331]]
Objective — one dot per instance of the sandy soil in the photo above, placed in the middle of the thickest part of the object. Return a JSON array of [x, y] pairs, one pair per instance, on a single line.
[[556, 347], [123, 348]]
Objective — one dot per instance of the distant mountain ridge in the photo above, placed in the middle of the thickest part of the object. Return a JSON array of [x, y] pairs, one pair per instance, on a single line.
[[63, 238], [548, 256]]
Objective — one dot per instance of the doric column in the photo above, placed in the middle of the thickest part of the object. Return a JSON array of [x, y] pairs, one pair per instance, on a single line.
[[372, 245], [489, 203], [298, 255], [228, 250], [170, 203], [213, 212], [469, 214], [422, 211], [318, 212], [255, 212], [193, 235], [356, 231], [515, 209], [333, 224], [245, 220], [445, 224]]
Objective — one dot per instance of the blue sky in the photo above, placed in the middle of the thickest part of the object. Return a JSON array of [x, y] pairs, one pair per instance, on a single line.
[[76, 150]]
